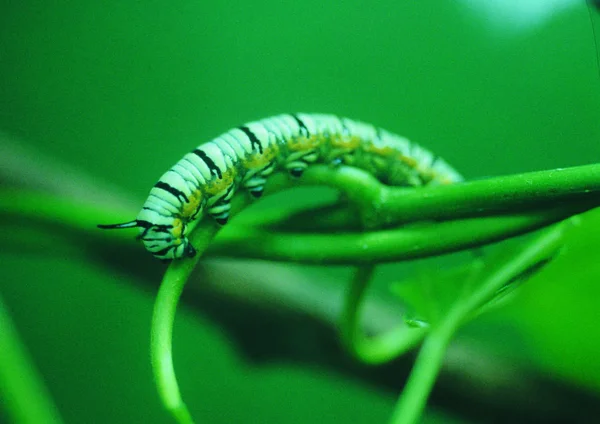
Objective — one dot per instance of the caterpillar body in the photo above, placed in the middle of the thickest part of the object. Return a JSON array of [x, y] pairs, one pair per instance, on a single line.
[[205, 179]]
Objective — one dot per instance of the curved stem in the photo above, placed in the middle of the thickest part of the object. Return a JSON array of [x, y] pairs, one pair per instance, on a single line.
[[382, 347], [362, 189], [395, 244], [163, 318]]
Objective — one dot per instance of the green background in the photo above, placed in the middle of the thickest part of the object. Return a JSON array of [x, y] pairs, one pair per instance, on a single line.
[[119, 90]]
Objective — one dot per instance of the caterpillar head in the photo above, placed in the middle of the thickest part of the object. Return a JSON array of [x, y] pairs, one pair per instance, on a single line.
[[165, 240]]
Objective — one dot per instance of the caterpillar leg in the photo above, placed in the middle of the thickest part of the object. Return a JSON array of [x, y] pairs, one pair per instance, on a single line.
[[298, 162], [219, 206], [220, 212], [297, 168], [345, 159], [255, 181], [256, 186]]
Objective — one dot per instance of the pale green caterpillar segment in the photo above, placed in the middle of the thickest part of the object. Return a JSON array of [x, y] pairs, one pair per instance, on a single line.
[[205, 180]]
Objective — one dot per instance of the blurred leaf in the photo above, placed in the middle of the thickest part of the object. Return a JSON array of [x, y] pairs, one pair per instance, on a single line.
[[557, 311], [429, 295]]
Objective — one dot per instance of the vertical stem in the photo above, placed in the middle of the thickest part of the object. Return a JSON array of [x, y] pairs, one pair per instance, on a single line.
[[410, 406], [163, 318]]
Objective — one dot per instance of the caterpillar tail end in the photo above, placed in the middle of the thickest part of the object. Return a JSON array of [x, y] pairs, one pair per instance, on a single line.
[[130, 224]]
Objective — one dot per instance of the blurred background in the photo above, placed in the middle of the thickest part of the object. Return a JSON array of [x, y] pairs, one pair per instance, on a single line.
[[98, 99]]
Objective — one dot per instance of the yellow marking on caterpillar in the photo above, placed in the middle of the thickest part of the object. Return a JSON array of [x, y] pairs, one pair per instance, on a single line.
[[177, 227], [350, 143], [220, 184], [445, 180], [192, 206], [412, 163], [303, 143], [258, 160], [382, 151]]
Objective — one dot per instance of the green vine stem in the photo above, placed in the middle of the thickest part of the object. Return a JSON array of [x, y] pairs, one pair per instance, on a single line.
[[25, 398], [380, 348], [429, 360], [556, 194], [383, 205], [163, 318], [390, 245], [499, 194]]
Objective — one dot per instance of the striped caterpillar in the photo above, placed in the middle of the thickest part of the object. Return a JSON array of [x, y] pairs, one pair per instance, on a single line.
[[205, 179]]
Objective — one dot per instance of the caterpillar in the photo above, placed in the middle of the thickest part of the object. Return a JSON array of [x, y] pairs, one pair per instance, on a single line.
[[204, 180]]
